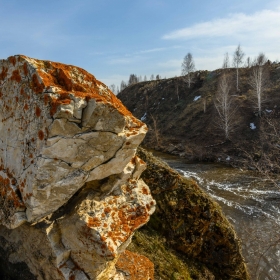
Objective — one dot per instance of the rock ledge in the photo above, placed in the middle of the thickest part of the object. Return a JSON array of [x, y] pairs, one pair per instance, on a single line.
[[70, 194]]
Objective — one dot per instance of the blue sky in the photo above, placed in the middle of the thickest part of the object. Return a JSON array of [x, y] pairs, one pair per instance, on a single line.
[[113, 39]]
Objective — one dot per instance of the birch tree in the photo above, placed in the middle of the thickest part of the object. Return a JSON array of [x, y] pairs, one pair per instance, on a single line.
[[225, 106], [113, 88], [237, 61], [248, 62], [259, 79], [123, 85], [188, 67], [177, 89], [156, 130], [226, 61]]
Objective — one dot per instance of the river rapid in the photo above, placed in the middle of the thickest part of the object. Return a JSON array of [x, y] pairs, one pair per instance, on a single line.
[[250, 202]]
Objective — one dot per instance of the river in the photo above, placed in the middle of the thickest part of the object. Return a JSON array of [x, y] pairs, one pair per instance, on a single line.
[[250, 202]]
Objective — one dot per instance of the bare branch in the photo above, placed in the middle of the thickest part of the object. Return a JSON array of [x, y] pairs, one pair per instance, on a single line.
[[188, 68], [237, 61], [259, 80], [156, 130], [225, 106], [226, 61]]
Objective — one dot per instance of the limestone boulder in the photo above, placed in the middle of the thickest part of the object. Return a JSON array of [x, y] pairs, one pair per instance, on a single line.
[[68, 170]]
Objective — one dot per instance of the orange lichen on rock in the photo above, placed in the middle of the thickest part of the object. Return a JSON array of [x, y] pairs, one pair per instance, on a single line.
[[38, 111], [8, 194], [4, 185], [64, 79], [46, 99], [145, 191], [16, 76], [138, 267], [25, 69], [75, 80], [36, 85], [126, 222], [3, 73], [12, 59], [93, 222], [41, 134], [61, 100]]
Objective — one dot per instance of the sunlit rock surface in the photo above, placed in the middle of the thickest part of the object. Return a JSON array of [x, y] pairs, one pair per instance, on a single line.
[[68, 170]]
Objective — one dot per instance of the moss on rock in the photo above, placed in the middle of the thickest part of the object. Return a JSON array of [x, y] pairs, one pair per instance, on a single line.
[[191, 222]]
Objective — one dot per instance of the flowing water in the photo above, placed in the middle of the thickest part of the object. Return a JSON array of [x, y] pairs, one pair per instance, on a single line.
[[250, 202]]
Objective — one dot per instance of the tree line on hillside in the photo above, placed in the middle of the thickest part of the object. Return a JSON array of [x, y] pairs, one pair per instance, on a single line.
[[226, 97], [228, 87], [133, 79], [224, 100]]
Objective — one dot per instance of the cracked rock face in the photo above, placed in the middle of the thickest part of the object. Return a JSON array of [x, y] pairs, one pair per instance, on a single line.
[[68, 164]]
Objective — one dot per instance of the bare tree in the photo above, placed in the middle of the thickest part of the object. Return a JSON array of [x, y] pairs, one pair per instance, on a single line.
[[156, 130], [204, 104], [132, 79], [188, 68], [147, 102], [226, 61], [152, 77], [123, 85], [264, 154], [248, 62], [177, 89], [238, 56], [259, 79], [113, 88], [225, 106]]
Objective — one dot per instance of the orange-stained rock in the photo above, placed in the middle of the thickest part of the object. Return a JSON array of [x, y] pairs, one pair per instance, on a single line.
[[59, 128], [68, 171], [132, 266]]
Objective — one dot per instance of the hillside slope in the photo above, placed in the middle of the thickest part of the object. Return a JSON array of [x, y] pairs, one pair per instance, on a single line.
[[185, 119], [187, 237]]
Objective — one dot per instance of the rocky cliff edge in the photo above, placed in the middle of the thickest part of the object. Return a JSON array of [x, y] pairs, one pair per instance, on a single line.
[[70, 193]]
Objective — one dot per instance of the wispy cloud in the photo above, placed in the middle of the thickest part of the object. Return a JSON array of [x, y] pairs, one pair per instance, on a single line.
[[265, 23], [137, 56], [153, 50], [159, 49]]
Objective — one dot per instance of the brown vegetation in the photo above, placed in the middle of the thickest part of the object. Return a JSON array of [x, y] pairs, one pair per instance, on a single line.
[[189, 225], [186, 117]]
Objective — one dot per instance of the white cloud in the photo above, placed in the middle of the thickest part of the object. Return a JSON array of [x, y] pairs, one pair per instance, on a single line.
[[137, 56], [153, 50], [265, 24]]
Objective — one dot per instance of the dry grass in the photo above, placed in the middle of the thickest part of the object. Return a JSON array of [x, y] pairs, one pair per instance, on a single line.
[[169, 265]]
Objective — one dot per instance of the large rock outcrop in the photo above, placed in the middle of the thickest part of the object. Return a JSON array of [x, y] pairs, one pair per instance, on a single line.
[[70, 194]]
